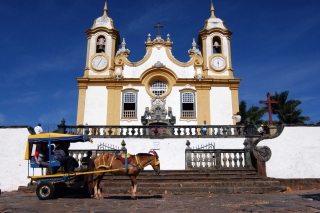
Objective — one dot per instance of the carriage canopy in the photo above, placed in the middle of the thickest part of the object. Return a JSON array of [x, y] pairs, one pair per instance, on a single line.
[[52, 138]]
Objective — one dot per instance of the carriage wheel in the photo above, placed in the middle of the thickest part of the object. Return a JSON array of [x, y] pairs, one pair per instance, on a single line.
[[45, 190]]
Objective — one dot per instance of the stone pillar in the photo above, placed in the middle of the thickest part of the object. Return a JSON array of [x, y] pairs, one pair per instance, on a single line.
[[272, 129], [123, 148], [188, 156]]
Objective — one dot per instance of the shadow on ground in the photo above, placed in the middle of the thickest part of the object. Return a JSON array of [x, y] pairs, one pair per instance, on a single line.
[[313, 196], [121, 197]]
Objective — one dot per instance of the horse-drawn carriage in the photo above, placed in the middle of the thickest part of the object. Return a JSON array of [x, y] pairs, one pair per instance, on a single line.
[[54, 184], [50, 184]]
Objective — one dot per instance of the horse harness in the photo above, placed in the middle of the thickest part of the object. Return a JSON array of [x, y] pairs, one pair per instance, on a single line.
[[125, 159]]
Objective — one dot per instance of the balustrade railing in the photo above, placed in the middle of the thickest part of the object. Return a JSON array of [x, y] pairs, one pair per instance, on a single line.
[[129, 114], [207, 157], [154, 131], [188, 114]]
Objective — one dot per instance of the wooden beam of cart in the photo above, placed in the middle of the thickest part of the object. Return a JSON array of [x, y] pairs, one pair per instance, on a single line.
[[73, 174]]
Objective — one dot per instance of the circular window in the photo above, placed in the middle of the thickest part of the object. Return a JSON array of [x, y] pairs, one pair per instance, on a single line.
[[158, 87]]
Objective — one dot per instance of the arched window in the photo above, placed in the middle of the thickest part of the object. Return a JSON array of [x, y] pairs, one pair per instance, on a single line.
[[158, 87], [129, 105], [216, 45], [101, 44], [188, 109]]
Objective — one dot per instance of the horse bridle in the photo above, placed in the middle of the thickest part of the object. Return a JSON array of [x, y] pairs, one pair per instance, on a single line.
[[156, 163]]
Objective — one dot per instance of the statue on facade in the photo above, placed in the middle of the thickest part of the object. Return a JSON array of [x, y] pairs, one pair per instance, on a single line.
[[146, 113]]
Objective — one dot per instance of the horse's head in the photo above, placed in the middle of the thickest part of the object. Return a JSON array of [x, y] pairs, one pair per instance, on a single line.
[[155, 163]]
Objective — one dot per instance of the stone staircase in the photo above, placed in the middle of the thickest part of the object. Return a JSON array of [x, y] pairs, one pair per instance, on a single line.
[[193, 181]]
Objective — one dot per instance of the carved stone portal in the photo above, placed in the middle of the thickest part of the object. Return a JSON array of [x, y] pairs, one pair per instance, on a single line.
[[158, 113]]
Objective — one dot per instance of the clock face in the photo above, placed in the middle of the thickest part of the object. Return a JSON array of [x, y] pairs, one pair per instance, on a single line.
[[99, 62], [218, 63]]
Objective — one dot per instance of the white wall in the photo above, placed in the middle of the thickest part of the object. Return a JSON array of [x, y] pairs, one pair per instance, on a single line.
[[14, 169], [95, 109], [295, 153], [221, 106], [171, 152], [161, 56]]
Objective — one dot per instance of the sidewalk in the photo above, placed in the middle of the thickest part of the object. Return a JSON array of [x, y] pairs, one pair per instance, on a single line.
[[295, 201]]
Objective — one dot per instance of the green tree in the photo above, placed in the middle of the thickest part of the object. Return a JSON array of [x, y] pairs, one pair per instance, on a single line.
[[286, 110], [254, 113]]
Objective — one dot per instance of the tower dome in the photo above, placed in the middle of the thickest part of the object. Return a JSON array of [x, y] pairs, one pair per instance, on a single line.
[[214, 22], [104, 20]]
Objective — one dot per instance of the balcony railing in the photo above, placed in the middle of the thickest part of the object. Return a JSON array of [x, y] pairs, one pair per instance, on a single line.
[[129, 114], [188, 114], [190, 131]]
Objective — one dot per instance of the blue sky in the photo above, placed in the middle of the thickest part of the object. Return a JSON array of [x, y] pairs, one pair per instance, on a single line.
[[275, 47]]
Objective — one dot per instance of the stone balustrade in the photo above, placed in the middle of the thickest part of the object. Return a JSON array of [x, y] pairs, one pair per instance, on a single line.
[[191, 131], [207, 157]]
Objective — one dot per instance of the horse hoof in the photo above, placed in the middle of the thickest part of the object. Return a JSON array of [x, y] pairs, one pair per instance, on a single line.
[[133, 198]]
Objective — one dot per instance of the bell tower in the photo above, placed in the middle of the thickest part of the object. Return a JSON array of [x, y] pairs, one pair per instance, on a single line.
[[103, 39], [214, 41]]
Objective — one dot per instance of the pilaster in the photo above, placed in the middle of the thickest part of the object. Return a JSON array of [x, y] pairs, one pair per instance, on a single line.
[[114, 105], [203, 103], [81, 103]]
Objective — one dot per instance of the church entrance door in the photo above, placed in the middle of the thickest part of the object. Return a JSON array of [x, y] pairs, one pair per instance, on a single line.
[[158, 130]]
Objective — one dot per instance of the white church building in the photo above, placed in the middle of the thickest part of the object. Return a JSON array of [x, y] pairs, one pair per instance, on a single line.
[[158, 88]]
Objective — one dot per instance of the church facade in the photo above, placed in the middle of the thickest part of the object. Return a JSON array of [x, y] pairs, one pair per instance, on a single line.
[[158, 89]]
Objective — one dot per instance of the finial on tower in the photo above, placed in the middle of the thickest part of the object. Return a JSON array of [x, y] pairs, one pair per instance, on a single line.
[[212, 11], [105, 9]]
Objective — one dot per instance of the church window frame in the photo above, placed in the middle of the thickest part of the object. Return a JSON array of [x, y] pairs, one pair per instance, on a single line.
[[188, 104], [158, 87], [129, 104]]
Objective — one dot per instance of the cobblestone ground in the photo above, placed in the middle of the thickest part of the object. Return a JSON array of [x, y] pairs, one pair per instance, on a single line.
[[295, 201]]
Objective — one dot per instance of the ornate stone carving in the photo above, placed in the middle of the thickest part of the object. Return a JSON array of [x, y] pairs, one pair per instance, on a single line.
[[146, 113], [123, 50], [158, 103], [158, 112], [194, 50], [262, 153], [158, 64]]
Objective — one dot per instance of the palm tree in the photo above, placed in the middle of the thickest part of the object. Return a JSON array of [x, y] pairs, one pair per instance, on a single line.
[[286, 109], [254, 113]]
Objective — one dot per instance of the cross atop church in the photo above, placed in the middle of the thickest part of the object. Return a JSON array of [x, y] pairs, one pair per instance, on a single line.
[[158, 26], [269, 102]]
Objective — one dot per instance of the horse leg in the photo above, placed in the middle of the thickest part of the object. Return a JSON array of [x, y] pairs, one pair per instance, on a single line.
[[99, 194], [95, 185], [134, 184]]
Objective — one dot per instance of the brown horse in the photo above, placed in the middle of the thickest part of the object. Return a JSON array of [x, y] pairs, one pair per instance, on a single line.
[[117, 165]]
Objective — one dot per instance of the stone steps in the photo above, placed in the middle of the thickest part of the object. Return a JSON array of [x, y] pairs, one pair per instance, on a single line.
[[193, 181]]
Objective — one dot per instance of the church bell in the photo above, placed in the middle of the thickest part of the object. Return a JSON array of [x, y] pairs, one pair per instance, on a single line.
[[216, 45]]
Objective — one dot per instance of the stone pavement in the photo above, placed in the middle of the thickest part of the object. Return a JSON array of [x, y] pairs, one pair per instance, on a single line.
[[294, 201]]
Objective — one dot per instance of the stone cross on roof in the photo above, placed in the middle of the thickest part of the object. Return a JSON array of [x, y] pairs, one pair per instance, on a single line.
[[158, 26]]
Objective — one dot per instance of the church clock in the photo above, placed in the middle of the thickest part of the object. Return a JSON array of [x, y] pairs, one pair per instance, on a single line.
[[99, 62], [218, 63]]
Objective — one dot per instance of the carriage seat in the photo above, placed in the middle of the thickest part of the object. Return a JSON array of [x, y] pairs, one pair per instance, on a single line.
[[34, 165]]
